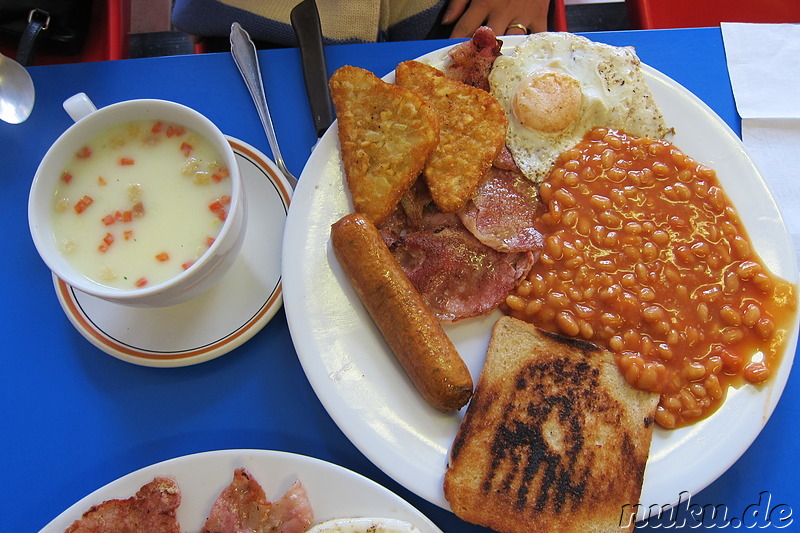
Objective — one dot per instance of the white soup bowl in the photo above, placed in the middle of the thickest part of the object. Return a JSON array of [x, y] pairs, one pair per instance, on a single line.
[[90, 122]]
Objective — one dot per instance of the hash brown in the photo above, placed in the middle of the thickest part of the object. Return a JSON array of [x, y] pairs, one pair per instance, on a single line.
[[473, 129], [387, 133]]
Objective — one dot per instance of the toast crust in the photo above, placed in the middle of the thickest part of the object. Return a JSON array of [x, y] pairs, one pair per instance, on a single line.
[[554, 439]]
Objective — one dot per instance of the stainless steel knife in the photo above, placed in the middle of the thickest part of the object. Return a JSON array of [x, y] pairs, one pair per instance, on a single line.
[[307, 28]]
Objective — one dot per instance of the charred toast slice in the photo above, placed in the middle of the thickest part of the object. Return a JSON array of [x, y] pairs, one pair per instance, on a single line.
[[554, 438]]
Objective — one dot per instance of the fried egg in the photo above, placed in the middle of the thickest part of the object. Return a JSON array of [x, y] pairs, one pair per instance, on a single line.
[[555, 87]]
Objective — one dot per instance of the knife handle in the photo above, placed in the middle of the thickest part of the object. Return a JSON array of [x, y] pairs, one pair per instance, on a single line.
[[307, 27]]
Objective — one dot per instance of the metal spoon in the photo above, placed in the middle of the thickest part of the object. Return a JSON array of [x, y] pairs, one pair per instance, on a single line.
[[244, 55], [16, 91]]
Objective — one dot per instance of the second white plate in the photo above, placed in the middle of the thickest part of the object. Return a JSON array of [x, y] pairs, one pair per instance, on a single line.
[[333, 491]]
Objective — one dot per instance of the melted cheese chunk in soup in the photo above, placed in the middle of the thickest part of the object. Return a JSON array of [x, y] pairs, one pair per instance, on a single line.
[[140, 203]]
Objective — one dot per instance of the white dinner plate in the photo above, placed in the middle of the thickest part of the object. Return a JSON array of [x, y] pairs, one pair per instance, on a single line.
[[217, 321], [333, 491], [366, 392]]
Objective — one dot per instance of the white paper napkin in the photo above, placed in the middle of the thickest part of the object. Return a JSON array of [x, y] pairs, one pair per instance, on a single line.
[[764, 66]]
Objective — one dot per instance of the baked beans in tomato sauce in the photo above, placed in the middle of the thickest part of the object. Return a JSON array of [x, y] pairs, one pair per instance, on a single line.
[[645, 255]]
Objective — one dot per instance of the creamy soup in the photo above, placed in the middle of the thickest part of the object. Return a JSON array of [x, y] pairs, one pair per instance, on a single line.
[[140, 203]]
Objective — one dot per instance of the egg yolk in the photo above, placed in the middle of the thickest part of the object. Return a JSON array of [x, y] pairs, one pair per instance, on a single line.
[[547, 101]]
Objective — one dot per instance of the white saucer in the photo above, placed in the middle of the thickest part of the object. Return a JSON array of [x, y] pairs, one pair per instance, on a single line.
[[217, 321]]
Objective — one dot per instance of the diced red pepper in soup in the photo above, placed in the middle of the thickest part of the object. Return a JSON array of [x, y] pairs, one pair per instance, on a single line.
[[221, 174], [83, 203], [219, 207]]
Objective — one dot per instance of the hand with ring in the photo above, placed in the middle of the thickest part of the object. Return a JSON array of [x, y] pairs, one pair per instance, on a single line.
[[505, 17]]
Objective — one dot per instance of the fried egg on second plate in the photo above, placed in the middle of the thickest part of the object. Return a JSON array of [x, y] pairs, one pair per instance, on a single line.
[[555, 87]]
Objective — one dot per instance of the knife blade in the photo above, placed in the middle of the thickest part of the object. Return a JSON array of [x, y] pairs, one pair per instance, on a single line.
[[307, 28]]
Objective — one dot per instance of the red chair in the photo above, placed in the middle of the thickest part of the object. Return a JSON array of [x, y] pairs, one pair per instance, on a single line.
[[651, 14], [107, 38], [558, 16]]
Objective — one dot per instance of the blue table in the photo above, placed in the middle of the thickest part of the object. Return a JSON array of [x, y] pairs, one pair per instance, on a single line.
[[74, 418]]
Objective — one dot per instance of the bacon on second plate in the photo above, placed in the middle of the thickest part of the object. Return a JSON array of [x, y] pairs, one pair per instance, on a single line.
[[292, 513], [242, 507], [152, 509]]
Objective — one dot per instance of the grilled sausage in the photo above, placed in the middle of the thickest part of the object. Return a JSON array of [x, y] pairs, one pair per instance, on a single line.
[[409, 327]]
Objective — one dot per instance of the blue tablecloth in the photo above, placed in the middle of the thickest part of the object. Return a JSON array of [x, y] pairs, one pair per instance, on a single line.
[[74, 418]]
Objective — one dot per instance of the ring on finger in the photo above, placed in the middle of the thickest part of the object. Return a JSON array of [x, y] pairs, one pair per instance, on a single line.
[[518, 26]]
